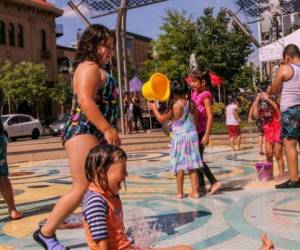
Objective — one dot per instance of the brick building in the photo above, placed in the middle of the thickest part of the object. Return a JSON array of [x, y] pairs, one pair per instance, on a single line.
[[28, 32]]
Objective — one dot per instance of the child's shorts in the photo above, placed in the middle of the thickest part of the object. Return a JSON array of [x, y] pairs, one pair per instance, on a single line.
[[233, 130], [3, 156], [290, 123]]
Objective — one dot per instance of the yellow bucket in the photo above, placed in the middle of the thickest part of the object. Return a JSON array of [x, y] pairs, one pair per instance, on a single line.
[[157, 88]]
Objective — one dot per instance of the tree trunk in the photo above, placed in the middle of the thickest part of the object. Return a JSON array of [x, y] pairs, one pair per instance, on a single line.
[[62, 110]]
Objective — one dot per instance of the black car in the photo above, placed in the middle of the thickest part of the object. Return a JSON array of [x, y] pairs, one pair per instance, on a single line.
[[57, 126]]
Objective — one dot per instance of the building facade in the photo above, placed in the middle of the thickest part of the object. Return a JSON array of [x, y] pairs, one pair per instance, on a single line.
[[28, 32]]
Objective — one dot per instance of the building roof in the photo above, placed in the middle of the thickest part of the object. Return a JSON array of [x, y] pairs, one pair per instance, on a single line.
[[139, 37], [42, 4], [66, 48]]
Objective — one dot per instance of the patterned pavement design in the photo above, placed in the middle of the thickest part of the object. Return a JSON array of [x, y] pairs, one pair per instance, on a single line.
[[232, 219]]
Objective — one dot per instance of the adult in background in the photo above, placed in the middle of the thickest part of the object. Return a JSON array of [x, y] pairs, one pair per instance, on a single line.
[[137, 111], [94, 115], [287, 82], [5, 185], [233, 124]]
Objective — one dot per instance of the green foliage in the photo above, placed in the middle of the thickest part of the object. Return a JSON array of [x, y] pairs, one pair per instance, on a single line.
[[24, 81], [217, 48], [244, 105], [221, 50], [218, 109], [174, 46], [62, 91]]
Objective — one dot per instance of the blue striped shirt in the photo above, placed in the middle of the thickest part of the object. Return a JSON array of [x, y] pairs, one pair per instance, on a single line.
[[95, 211]]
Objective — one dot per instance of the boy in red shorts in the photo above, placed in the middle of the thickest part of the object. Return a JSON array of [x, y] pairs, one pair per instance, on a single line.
[[233, 125]]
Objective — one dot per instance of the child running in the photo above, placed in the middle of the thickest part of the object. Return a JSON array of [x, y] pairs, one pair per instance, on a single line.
[[104, 228], [184, 153], [202, 97]]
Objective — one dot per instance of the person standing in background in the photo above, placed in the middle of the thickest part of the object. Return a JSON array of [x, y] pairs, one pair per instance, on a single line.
[[233, 125], [287, 82], [5, 184]]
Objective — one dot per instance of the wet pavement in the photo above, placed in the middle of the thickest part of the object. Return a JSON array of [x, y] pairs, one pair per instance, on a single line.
[[233, 219]]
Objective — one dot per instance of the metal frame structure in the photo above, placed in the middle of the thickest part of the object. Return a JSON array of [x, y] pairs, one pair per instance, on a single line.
[[100, 8]]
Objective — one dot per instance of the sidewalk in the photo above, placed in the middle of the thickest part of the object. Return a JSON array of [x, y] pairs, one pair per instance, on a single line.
[[48, 148]]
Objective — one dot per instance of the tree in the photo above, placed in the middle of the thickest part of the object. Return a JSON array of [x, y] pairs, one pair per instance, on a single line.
[[62, 92], [25, 82], [174, 46], [6, 68], [217, 47], [220, 49]]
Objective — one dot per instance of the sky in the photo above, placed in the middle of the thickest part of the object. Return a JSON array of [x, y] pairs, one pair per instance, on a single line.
[[144, 21]]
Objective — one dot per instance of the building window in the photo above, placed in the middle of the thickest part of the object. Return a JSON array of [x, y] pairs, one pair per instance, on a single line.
[[11, 34], [20, 36], [2, 33], [43, 40]]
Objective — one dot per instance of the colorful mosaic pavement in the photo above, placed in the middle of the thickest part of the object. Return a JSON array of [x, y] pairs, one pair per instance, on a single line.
[[233, 219]]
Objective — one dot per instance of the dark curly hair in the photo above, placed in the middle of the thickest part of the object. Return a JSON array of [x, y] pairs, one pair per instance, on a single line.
[[98, 161], [89, 41]]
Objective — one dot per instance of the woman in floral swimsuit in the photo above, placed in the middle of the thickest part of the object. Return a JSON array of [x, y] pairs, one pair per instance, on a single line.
[[93, 119]]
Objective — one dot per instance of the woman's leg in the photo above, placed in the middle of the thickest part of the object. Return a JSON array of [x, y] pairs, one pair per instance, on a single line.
[[269, 151], [179, 180], [77, 149], [278, 147], [260, 143], [194, 183]]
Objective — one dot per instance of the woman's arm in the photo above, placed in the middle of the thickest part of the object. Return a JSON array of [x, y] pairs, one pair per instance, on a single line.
[[274, 104], [209, 114], [255, 107], [250, 114], [87, 79]]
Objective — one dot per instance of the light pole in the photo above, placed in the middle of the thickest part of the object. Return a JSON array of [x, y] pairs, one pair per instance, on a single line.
[[155, 57]]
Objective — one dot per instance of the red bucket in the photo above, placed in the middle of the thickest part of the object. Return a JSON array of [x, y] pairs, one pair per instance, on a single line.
[[264, 171]]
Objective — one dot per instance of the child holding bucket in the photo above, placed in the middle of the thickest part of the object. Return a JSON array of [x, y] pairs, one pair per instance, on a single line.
[[105, 168], [184, 153], [201, 83], [267, 109]]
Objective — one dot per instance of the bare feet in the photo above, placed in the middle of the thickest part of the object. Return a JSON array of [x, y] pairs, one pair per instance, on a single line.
[[15, 215], [215, 188], [180, 196], [280, 177], [195, 195], [267, 244]]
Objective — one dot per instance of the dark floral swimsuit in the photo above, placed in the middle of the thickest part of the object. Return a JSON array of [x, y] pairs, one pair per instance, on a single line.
[[107, 102]]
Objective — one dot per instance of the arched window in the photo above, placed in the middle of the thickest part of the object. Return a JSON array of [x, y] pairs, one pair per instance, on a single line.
[[43, 40], [20, 36], [11, 34], [2, 33]]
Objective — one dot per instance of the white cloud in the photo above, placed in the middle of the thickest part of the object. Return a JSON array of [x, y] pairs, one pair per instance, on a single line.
[[69, 13]]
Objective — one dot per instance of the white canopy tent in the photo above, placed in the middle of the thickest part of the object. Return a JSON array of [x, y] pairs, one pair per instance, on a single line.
[[273, 51]]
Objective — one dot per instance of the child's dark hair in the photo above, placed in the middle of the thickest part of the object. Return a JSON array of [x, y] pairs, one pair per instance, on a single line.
[[179, 87], [98, 161], [201, 75]]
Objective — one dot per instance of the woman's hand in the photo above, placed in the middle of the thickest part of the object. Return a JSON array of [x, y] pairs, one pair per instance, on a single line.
[[265, 96], [205, 140], [151, 105], [111, 136]]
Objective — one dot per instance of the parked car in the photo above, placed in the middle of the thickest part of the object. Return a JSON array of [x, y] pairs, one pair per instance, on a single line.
[[57, 126], [19, 125]]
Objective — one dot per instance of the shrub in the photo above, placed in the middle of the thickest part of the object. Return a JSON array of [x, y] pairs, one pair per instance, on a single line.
[[218, 109]]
